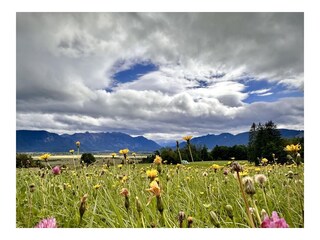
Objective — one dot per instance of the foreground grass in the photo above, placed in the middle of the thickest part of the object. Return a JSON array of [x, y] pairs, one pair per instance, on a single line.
[[195, 189]]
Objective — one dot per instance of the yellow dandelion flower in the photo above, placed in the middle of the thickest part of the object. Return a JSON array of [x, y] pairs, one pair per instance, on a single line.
[[264, 160], [97, 186], [78, 143], [215, 166], [154, 188], [124, 151], [113, 154], [153, 173], [71, 151], [124, 178], [187, 138], [120, 166], [157, 160], [45, 156], [257, 169], [293, 148]]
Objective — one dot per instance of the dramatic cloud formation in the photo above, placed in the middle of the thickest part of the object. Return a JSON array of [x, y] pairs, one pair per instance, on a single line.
[[159, 75]]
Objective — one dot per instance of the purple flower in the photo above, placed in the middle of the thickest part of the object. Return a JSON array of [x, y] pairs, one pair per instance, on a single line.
[[47, 223], [274, 221], [56, 170]]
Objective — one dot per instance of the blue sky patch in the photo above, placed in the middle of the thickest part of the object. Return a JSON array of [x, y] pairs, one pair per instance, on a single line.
[[274, 93], [134, 72]]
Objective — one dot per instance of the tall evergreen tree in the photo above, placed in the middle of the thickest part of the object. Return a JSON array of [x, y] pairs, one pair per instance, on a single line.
[[264, 141]]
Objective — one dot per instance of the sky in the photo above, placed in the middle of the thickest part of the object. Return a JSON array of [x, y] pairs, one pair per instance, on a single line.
[[160, 75]]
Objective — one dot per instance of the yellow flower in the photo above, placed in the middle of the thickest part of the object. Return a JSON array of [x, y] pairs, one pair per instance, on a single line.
[[187, 138], [157, 160], [97, 186], [124, 151], [45, 156], [153, 173], [215, 166], [124, 179], [154, 188], [113, 154], [120, 166], [264, 160], [67, 185], [78, 144], [243, 173], [71, 151], [257, 169], [293, 148], [133, 154]]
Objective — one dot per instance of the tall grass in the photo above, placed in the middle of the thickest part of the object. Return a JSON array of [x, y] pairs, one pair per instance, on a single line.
[[183, 187]]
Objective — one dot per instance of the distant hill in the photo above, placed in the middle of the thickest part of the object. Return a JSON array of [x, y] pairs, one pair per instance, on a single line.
[[227, 139], [43, 141]]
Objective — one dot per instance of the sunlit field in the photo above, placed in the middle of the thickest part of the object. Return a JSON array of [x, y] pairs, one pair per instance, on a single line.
[[195, 195]]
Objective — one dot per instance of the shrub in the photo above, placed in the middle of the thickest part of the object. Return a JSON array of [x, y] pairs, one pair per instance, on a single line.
[[87, 158], [25, 161]]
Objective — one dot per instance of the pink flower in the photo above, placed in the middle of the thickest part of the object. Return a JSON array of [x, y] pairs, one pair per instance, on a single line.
[[56, 170], [47, 223], [274, 221]]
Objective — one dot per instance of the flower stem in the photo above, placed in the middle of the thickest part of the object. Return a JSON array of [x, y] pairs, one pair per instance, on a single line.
[[250, 220], [256, 210]]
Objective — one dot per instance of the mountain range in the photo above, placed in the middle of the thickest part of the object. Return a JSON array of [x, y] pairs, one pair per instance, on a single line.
[[228, 139], [43, 141]]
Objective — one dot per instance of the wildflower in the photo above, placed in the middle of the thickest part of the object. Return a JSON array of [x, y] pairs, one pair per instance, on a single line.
[[71, 151], [248, 185], [56, 170], [138, 205], [47, 223], [120, 166], [264, 161], [261, 179], [113, 155], [152, 174], [190, 221], [154, 188], [124, 192], [83, 207], [236, 167], [157, 160], [124, 178], [274, 221], [229, 211], [66, 185], [188, 138], [45, 156], [124, 151], [78, 144], [97, 186], [293, 148], [290, 174], [181, 218], [257, 169], [214, 219], [215, 167], [264, 214], [204, 174], [32, 188]]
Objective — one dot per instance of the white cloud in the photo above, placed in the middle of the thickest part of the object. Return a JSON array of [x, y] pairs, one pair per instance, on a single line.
[[65, 61]]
